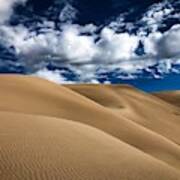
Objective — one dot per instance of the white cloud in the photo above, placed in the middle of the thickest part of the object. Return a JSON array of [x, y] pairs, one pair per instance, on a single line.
[[164, 45], [168, 45], [70, 44], [6, 9], [76, 47], [14, 36], [54, 76], [113, 50], [86, 51], [151, 43], [115, 47], [89, 28], [154, 17]]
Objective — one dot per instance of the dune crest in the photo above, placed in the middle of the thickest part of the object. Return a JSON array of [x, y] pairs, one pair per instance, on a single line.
[[137, 106], [85, 132]]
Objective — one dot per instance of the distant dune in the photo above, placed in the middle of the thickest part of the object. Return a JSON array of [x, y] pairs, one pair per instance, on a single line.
[[170, 97], [49, 131]]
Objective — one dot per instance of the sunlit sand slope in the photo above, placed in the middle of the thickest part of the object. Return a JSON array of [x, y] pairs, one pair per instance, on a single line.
[[137, 106], [146, 125], [37, 147]]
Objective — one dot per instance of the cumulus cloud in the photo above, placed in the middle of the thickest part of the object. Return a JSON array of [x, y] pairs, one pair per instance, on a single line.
[[151, 43], [54, 76], [71, 44], [168, 45], [29, 46], [164, 45], [154, 17], [117, 46], [76, 47], [87, 49], [6, 9]]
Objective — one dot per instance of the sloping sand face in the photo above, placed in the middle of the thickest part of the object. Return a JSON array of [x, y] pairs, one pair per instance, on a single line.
[[37, 147], [137, 106], [170, 97], [84, 132]]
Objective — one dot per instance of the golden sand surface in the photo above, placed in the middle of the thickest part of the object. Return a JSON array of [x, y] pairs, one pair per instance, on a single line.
[[89, 132]]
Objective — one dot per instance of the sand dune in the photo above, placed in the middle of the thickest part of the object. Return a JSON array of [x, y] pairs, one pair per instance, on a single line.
[[170, 97], [140, 107], [37, 147], [85, 132]]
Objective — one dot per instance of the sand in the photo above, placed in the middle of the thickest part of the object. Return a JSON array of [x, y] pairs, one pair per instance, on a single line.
[[171, 97], [50, 131], [137, 106]]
